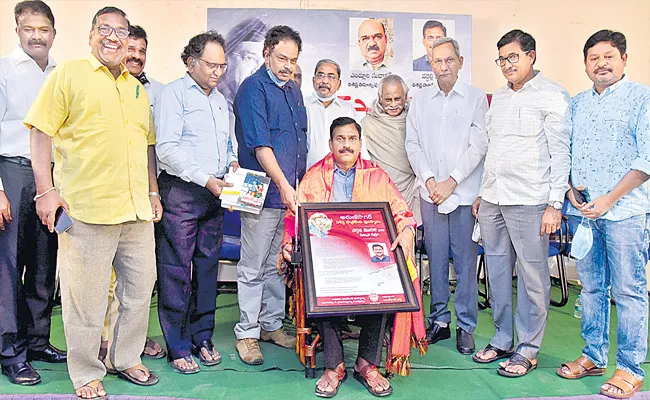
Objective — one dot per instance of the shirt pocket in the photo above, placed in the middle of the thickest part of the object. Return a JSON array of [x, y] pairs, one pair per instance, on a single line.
[[529, 121]]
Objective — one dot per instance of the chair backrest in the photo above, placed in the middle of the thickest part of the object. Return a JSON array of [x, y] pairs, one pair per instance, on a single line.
[[232, 224]]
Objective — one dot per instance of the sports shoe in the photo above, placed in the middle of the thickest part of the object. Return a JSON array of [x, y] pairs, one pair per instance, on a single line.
[[279, 337], [249, 351]]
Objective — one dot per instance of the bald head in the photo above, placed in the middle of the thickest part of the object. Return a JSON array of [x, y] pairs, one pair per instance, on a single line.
[[372, 41]]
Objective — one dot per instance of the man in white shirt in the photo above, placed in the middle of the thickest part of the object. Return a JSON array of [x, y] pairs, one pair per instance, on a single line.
[[136, 59], [323, 107], [28, 250], [525, 180], [446, 143]]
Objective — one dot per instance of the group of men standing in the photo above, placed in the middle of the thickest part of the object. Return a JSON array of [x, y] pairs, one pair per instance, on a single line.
[[129, 152]]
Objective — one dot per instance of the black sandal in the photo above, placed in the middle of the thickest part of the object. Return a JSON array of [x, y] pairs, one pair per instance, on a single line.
[[517, 360], [207, 344], [188, 359], [499, 355]]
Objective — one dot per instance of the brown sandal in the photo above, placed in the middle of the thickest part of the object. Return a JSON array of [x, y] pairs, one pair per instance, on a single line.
[[95, 386], [625, 382], [368, 377], [580, 368], [334, 383]]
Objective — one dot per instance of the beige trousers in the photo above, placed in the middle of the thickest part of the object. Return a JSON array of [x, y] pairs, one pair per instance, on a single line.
[[87, 254]]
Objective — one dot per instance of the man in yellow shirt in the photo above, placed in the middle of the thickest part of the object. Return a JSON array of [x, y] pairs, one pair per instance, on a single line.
[[98, 117]]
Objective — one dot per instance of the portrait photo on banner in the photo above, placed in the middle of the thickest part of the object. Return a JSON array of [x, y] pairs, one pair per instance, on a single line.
[[366, 44], [424, 33], [371, 44]]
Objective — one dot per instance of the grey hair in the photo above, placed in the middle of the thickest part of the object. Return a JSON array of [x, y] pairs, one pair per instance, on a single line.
[[394, 79], [443, 40], [328, 61]]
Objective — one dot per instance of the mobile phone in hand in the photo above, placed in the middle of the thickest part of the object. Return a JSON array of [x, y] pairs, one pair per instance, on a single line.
[[582, 196], [62, 221]]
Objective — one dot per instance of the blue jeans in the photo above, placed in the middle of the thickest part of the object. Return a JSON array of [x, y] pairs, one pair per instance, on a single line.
[[616, 261]]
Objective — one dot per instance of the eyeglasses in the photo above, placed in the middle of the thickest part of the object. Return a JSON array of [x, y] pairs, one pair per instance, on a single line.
[[438, 62], [105, 30], [215, 66], [321, 76], [512, 58]]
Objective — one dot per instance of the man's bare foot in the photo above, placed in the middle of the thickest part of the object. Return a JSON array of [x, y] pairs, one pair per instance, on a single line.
[[329, 382], [91, 390], [485, 354], [516, 369]]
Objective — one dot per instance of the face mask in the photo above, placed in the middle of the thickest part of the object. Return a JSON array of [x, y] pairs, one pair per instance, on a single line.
[[324, 99], [582, 240], [476, 234], [449, 205]]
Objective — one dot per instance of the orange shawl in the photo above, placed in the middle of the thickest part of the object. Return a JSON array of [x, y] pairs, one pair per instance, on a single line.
[[371, 184]]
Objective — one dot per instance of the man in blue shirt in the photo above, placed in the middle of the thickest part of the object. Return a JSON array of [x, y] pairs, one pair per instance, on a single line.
[[270, 126], [194, 150], [610, 163], [379, 254], [431, 31]]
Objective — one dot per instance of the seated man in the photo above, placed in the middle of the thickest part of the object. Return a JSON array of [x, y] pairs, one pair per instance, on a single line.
[[342, 176]]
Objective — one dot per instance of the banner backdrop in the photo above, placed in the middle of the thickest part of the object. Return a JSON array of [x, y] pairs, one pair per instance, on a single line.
[[346, 37]]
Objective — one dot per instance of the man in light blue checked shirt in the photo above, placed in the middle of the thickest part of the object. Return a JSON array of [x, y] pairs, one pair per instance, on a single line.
[[194, 149], [610, 160]]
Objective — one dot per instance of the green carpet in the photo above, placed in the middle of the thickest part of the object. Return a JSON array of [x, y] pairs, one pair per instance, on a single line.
[[442, 374]]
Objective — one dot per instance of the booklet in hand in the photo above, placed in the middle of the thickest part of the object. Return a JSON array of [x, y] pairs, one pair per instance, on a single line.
[[248, 191]]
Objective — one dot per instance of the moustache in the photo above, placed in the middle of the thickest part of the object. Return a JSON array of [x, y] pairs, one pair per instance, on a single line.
[[394, 108], [511, 70], [602, 69], [373, 47], [324, 87], [135, 60], [346, 150], [36, 42], [103, 42], [286, 70]]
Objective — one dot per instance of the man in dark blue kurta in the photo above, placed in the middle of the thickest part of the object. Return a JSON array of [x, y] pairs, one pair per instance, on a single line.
[[271, 126]]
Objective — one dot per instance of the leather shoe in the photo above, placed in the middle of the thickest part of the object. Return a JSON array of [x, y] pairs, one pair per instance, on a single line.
[[21, 374], [464, 341], [50, 354], [436, 333]]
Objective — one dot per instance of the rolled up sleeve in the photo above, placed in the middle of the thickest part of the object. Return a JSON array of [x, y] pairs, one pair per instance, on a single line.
[[251, 107], [642, 162]]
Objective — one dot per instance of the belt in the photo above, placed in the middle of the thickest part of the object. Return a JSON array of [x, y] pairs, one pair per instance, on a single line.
[[22, 161]]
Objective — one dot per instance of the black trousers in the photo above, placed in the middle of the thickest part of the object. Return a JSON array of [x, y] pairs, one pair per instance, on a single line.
[[370, 339], [27, 269], [188, 243]]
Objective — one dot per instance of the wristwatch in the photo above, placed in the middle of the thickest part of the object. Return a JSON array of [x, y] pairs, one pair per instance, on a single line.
[[556, 205]]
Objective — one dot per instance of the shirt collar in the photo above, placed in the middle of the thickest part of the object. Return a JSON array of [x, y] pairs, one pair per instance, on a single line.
[[351, 171], [534, 83], [458, 88], [610, 88], [189, 82], [96, 64], [315, 100], [20, 57]]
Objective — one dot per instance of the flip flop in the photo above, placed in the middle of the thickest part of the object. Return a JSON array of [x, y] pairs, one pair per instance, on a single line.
[[575, 372], [341, 376], [499, 355], [362, 376], [152, 380], [207, 344], [150, 344], [517, 359], [100, 385], [182, 371]]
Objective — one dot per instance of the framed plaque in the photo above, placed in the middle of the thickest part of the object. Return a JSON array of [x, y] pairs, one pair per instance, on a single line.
[[348, 266]]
